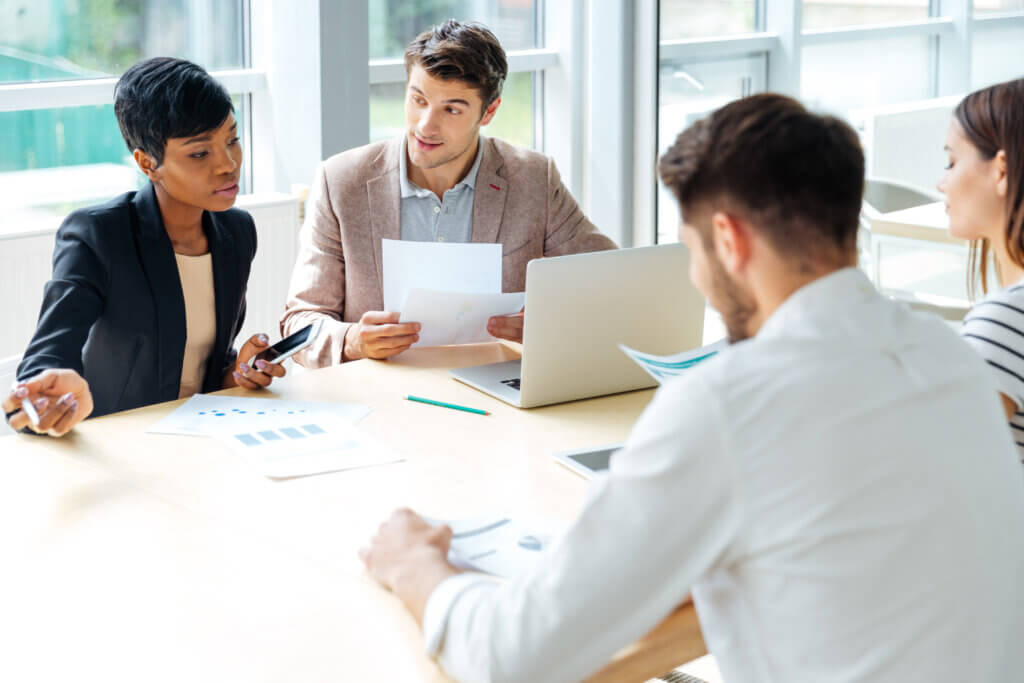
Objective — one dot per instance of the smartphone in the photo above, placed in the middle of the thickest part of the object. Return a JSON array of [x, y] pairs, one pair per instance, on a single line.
[[290, 345]]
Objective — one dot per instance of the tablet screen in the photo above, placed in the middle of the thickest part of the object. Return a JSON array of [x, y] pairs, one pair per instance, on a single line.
[[594, 461]]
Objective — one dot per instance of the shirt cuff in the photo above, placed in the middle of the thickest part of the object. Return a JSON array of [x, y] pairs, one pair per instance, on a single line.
[[442, 601]]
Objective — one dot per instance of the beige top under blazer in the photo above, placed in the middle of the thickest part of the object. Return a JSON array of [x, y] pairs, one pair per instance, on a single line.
[[355, 203], [196, 273]]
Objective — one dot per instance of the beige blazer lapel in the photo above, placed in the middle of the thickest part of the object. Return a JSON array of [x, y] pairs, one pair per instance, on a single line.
[[385, 197], [489, 195]]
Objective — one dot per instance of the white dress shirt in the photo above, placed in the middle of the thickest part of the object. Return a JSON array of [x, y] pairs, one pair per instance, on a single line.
[[840, 494]]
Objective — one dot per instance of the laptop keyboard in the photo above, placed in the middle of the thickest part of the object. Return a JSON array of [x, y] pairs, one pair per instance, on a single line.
[[511, 383]]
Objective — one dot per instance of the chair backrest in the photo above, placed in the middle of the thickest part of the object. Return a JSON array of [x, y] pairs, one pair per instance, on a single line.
[[883, 195], [904, 141], [8, 368]]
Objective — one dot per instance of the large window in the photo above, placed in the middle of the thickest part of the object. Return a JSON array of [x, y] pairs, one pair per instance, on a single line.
[[872, 72], [838, 13], [60, 146], [55, 41], [682, 19], [997, 54], [394, 23]]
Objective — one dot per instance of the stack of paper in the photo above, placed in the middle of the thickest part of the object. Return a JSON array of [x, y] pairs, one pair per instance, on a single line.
[[281, 438], [207, 415], [450, 289]]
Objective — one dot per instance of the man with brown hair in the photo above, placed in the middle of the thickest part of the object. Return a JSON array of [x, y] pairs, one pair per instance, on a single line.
[[837, 490], [441, 182]]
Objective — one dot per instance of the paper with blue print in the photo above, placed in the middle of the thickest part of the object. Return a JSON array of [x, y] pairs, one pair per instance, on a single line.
[[664, 368], [210, 415], [301, 447], [500, 544]]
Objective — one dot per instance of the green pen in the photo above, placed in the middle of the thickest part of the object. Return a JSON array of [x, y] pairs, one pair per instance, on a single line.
[[446, 405]]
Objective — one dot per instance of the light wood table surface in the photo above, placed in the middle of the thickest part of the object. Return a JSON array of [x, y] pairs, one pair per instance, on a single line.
[[134, 556]]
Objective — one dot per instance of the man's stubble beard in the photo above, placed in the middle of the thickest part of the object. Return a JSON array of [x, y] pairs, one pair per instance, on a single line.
[[734, 305]]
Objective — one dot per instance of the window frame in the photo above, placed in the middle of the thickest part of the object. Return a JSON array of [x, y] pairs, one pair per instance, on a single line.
[[951, 25], [295, 119], [243, 82]]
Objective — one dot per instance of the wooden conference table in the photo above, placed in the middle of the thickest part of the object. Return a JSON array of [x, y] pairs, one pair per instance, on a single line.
[[133, 556]]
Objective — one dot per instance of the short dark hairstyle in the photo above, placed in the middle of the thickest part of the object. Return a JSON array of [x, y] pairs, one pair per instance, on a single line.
[[990, 119], [798, 177], [162, 98], [466, 52]]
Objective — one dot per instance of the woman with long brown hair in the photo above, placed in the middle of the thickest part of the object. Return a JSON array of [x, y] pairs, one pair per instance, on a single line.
[[984, 188]]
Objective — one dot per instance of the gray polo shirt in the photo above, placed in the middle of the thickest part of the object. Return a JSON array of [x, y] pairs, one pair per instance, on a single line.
[[427, 219]]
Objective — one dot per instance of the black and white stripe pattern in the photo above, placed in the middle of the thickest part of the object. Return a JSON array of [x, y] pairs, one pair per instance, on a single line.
[[994, 327]]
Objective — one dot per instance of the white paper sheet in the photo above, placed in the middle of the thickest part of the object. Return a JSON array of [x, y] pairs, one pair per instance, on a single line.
[[498, 544], [438, 265], [206, 415], [456, 317], [296, 448], [663, 368]]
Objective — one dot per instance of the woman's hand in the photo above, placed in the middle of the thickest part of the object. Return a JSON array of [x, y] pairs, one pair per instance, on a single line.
[[61, 399], [249, 374]]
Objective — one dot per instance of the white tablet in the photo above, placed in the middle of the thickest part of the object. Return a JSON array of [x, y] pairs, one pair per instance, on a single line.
[[586, 462]]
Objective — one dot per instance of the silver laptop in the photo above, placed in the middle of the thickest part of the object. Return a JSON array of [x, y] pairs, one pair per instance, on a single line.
[[579, 309]]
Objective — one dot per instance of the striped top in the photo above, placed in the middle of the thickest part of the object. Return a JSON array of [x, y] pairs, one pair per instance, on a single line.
[[994, 327]]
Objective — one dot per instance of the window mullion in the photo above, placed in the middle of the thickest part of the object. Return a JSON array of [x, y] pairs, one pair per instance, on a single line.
[[954, 54], [785, 19]]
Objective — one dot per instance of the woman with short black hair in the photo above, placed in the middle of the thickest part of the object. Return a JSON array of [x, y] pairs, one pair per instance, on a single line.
[[148, 290]]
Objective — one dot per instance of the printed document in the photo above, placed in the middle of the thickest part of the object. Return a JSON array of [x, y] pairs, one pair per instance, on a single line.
[[438, 266], [208, 415], [498, 544], [297, 448], [663, 368], [456, 317]]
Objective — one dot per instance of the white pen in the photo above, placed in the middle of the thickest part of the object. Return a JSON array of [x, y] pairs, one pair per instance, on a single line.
[[30, 410]]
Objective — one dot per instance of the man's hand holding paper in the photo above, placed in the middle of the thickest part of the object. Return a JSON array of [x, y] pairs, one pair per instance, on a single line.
[[378, 334], [457, 317], [508, 327]]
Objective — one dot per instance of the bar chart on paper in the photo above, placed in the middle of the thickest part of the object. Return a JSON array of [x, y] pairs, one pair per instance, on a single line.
[[281, 438], [272, 435], [296, 448]]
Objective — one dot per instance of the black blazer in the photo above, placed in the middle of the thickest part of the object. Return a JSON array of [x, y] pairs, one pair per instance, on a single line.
[[114, 309]]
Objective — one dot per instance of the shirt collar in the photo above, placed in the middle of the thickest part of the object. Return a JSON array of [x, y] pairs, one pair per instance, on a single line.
[[836, 290], [411, 189]]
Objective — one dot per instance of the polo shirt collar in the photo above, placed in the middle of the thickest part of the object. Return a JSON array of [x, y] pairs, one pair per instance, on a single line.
[[411, 189]]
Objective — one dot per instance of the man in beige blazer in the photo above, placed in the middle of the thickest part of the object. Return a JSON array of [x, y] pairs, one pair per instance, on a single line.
[[442, 181]]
